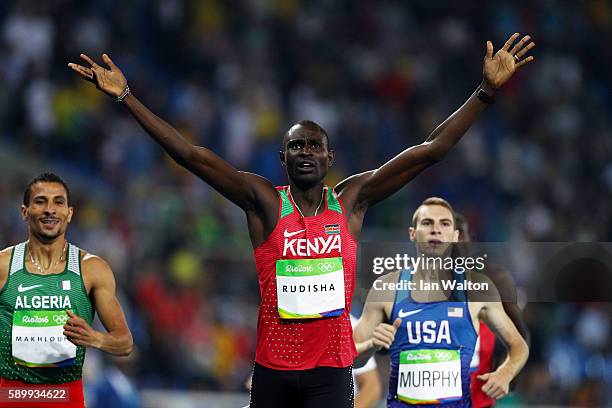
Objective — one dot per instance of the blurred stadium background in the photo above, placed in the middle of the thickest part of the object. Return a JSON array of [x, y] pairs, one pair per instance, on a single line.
[[232, 75]]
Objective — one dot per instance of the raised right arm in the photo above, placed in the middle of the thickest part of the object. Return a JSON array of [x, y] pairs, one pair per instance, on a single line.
[[247, 190], [240, 187]]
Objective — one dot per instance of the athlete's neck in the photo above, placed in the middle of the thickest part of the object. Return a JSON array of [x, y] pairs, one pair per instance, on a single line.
[[47, 253], [432, 274], [308, 200], [429, 286]]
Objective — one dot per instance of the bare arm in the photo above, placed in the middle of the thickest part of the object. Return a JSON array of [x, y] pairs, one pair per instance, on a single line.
[[516, 315], [240, 187], [498, 382], [374, 186], [372, 316], [369, 389], [243, 189], [5, 259], [117, 340], [507, 293], [371, 332], [493, 314]]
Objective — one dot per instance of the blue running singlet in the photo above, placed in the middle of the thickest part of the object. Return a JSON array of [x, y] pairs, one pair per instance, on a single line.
[[433, 347]]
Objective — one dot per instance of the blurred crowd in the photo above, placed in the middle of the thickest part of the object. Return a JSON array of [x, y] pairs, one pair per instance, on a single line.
[[378, 76]]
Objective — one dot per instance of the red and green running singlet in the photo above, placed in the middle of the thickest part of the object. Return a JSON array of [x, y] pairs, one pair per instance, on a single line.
[[306, 270]]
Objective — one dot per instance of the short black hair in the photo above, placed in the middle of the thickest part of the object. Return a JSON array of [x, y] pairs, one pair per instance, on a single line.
[[44, 178], [310, 125]]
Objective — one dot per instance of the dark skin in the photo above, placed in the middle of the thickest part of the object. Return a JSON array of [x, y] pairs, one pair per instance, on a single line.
[[258, 197]]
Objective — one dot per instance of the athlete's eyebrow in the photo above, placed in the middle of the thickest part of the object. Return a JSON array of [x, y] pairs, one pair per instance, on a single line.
[[46, 197], [441, 220]]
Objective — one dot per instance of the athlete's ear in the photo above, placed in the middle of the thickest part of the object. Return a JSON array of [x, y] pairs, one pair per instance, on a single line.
[[24, 212], [70, 212], [412, 233], [281, 156], [456, 235], [331, 157]]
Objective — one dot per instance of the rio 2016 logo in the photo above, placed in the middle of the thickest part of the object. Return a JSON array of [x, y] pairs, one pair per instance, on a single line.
[[326, 266], [60, 319], [444, 355]]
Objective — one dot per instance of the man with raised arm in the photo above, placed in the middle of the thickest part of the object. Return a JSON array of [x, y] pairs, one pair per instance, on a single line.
[[305, 234]]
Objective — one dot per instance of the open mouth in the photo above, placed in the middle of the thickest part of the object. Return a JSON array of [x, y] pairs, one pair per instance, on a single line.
[[49, 222], [305, 165]]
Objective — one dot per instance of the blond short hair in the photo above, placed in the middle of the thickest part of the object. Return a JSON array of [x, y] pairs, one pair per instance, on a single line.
[[432, 201]]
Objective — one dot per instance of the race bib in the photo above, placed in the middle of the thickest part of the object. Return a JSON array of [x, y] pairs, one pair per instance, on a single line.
[[38, 339], [310, 288], [429, 376]]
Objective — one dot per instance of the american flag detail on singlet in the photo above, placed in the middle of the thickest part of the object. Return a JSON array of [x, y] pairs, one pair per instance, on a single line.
[[299, 344]]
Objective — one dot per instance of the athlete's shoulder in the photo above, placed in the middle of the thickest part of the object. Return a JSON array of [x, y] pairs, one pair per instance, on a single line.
[[265, 194], [484, 288], [503, 281], [390, 277], [349, 191], [260, 183], [382, 292], [5, 258], [350, 183], [256, 177], [6, 252], [91, 263], [96, 272], [384, 280]]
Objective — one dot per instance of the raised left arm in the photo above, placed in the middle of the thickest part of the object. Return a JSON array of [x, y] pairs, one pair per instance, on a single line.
[[117, 340], [378, 184]]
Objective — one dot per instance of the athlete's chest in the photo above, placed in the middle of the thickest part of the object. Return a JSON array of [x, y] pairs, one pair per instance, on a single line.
[[27, 291], [322, 235], [440, 323]]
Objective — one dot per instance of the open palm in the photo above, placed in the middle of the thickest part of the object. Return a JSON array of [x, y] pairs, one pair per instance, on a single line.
[[499, 68], [111, 81]]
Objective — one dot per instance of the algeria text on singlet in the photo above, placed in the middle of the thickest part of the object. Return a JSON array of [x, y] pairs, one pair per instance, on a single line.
[[32, 315]]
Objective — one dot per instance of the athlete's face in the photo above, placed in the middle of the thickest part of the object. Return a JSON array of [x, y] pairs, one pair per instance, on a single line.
[[434, 231], [306, 156], [47, 213]]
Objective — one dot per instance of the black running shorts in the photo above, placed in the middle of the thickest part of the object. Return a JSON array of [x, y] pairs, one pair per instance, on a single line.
[[328, 387]]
